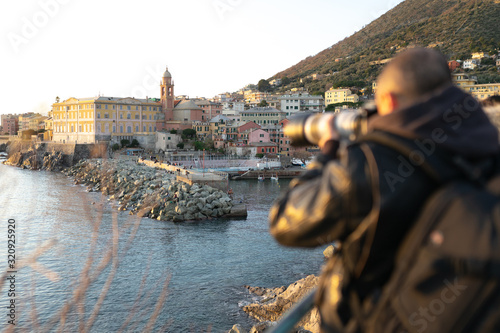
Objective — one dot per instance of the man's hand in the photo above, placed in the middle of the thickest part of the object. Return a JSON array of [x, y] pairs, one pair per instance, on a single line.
[[328, 131]]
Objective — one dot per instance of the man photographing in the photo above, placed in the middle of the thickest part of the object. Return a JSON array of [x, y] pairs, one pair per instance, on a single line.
[[368, 196]]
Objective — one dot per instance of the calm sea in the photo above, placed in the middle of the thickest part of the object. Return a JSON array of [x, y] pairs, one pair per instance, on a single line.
[[207, 263]]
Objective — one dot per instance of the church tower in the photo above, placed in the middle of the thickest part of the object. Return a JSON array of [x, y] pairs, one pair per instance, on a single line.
[[167, 95]]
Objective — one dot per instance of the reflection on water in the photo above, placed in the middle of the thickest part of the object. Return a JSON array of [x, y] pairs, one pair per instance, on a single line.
[[208, 261]]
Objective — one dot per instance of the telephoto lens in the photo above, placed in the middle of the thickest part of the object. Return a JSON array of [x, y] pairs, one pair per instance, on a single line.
[[308, 129], [305, 129]]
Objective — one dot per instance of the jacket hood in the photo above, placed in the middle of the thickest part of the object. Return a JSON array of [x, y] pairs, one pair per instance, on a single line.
[[453, 118]]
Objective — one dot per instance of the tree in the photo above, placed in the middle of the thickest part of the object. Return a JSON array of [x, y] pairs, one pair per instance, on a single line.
[[263, 85], [189, 132], [209, 144], [285, 81], [180, 145], [134, 143], [263, 103], [124, 142], [115, 147], [259, 155], [198, 145], [173, 131]]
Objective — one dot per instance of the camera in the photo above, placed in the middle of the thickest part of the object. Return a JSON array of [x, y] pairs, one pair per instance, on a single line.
[[307, 129]]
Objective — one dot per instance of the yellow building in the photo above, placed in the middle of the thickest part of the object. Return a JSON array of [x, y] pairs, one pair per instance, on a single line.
[[89, 120], [483, 91], [461, 80], [252, 96], [202, 129], [334, 96], [29, 121], [480, 55], [479, 91]]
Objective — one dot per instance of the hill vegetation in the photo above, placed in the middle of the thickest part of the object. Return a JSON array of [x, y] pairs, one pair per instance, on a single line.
[[455, 27]]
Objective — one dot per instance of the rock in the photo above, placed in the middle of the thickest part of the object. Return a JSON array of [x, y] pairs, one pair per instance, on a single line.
[[329, 252], [236, 329], [277, 302], [260, 327]]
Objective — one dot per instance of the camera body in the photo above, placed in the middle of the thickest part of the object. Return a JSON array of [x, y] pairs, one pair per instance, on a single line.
[[307, 129]]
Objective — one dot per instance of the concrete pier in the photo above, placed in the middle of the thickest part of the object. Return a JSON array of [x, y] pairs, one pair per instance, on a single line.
[[218, 180]]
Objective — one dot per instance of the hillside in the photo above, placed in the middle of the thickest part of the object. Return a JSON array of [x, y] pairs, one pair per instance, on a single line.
[[456, 27]]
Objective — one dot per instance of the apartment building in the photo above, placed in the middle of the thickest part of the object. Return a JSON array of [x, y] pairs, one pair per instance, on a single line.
[[334, 96]]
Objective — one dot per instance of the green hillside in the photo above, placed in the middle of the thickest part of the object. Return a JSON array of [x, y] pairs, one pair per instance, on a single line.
[[455, 27]]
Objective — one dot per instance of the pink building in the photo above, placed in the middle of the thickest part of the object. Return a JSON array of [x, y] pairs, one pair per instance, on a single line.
[[11, 126], [258, 135]]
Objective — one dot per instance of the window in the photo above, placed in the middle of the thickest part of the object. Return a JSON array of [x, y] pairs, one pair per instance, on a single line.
[[137, 128], [129, 129], [98, 115], [128, 107], [121, 115], [128, 116], [121, 129], [150, 128], [136, 116], [262, 135]]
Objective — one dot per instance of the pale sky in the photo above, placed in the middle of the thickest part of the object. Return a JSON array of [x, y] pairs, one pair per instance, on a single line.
[[120, 48]]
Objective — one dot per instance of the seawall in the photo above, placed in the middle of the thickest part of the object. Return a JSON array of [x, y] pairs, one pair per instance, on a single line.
[[217, 180], [153, 193]]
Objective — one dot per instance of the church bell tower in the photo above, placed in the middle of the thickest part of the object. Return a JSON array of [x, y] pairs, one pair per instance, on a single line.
[[167, 95]]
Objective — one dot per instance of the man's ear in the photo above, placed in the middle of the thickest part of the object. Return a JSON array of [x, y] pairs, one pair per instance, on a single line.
[[387, 102]]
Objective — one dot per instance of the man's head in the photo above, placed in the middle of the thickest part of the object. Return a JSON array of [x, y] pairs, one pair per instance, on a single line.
[[409, 77]]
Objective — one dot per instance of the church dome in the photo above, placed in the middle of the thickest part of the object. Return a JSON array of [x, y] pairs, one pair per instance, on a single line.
[[167, 73]]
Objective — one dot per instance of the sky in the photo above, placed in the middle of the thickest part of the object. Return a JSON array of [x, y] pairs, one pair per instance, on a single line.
[[120, 48]]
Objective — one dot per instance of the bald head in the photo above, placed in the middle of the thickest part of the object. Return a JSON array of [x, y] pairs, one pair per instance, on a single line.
[[411, 76]]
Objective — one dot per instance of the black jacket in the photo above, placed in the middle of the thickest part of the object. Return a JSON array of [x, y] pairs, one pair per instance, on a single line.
[[334, 200]]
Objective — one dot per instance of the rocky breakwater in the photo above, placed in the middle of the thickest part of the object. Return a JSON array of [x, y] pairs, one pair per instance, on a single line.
[[36, 158], [151, 193], [274, 302]]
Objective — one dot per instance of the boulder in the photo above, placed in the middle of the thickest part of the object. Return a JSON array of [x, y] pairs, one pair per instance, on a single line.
[[329, 252], [276, 303], [236, 329]]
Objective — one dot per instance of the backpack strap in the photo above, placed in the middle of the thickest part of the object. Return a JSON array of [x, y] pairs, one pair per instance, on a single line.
[[469, 266], [440, 165], [402, 147]]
